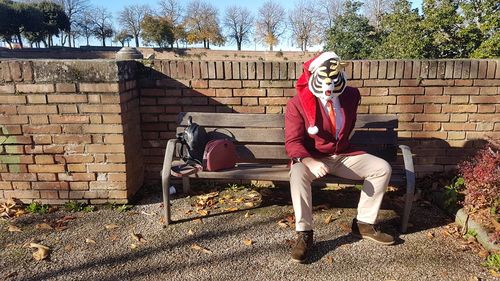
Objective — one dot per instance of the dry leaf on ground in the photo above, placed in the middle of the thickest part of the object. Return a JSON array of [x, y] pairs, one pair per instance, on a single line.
[[329, 259], [111, 226], [42, 251], [13, 228], [329, 219], [247, 215], [200, 248], [133, 246], [249, 204], [138, 237], [248, 242], [430, 235], [203, 212], [44, 225], [190, 232], [90, 241]]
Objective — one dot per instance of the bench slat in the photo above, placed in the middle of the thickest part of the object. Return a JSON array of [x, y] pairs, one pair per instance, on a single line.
[[277, 135], [276, 173], [230, 120]]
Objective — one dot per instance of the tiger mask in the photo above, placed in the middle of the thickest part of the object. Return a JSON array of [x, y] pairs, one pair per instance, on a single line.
[[327, 79]]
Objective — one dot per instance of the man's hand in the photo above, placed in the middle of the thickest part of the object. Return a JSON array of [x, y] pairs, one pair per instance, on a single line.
[[316, 167]]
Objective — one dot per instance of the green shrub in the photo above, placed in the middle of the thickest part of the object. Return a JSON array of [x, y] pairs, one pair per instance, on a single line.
[[37, 208], [74, 206]]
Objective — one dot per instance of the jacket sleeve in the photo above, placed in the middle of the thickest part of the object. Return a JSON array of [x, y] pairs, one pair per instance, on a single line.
[[355, 115], [295, 132]]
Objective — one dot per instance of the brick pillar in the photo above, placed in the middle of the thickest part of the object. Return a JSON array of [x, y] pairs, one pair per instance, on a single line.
[[68, 129]]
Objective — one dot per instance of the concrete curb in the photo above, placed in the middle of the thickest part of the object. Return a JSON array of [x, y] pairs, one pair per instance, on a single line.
[[482, 234]]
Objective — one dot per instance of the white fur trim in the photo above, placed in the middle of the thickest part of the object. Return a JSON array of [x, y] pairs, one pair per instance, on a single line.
[[312, 130], [321, 59]]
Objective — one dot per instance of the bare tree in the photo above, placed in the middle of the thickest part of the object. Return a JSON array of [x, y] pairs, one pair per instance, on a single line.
[[131, 17], [84, 26], [202, 24], [172, 10], [375, 9], [102, 23], [305, 24], [270, 23], [330, 9], [239, 22], [74, 9]]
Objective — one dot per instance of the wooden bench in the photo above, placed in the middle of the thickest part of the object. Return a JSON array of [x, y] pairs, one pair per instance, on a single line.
[[260, 146]]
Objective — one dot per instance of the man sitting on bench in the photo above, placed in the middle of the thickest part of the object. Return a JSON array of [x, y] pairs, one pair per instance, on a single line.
[[318, 122]]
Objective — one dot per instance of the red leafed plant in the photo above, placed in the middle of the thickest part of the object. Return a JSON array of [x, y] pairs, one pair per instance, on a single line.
[[482, 187]]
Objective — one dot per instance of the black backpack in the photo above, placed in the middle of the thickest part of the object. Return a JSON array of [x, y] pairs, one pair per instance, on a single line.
[[193, 140]]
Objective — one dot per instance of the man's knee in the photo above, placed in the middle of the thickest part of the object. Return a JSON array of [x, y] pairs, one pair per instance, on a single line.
[[299, 172]]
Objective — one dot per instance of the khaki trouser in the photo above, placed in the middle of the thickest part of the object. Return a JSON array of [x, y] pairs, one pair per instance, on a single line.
[[375, 171]]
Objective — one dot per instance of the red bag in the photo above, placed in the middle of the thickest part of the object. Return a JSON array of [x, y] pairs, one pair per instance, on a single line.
[[219, 155]]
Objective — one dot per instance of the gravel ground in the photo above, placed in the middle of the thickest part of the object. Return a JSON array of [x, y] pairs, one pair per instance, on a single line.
[[101, 245]]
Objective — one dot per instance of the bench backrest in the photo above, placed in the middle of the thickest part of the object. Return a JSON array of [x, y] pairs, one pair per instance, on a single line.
[[261, 137]]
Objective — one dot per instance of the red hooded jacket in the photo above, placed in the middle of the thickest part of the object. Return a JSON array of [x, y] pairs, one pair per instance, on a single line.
[[298, 142]]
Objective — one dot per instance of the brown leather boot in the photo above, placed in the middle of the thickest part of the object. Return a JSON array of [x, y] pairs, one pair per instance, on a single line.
[[302, 246], [368, 231]]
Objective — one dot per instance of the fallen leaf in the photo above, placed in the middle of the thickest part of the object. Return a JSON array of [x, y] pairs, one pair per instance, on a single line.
[[138, 237], [200, 248], [253, 195], [248, 242], [483, 253], [494, 273], [44, 225], [113, 237], [188, 212], [190, 232], [202, 212], [68, 248], [146, 213], [247, 215], [282, 223], [344, 227], [232, 209], [474, 278], [161, 220], [249, 204], [198, 220], [111, 226], [430, 235], [42, 251], [329, 219], [90, 241], [13, 228], [329, 259], [133, 246]]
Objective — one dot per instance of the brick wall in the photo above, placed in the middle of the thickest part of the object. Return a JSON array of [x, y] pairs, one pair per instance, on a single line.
[[65, 127], [75, 129], [446, 108]]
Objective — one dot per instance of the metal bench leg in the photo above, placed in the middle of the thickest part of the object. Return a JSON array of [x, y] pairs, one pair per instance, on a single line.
[[410, 185], [186, 185], [165, 178]]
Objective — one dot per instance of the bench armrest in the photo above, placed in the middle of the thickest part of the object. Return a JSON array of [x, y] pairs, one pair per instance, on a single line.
[[165, 177], [410, 184]]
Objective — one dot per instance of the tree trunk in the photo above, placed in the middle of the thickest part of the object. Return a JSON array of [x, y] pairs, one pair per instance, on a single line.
[[88, 40], [136, 41], [238, 44], [104, 41], [20, 40], [271, 48]]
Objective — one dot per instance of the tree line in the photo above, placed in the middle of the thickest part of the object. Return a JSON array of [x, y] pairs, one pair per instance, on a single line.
[[355, 30]]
